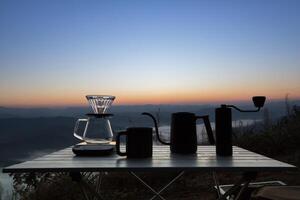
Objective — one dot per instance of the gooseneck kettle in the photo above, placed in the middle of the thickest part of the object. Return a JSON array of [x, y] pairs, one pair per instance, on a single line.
[[183, 136]]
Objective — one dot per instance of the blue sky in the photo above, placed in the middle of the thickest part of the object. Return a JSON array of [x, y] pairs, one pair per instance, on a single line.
[[55, 52]]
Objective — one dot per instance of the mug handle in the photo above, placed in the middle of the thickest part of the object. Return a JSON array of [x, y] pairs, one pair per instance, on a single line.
[[76, 128], [118, 143], [208, 128]]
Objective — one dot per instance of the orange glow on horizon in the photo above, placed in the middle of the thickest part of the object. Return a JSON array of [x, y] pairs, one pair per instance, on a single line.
[[139, 98]]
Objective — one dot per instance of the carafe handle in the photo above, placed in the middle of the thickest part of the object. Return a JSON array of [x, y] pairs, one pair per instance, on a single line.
[[208, 128], [77, 126], [118, 143]]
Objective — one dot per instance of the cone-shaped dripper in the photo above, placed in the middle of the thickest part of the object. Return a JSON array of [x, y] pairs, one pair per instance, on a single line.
[[100, 103]]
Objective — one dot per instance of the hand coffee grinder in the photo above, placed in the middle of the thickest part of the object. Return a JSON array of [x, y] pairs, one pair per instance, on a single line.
[[224, 125]]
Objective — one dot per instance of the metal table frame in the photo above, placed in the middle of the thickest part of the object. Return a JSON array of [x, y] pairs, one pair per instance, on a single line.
[[157, 193], [86, 188], [240, 186]]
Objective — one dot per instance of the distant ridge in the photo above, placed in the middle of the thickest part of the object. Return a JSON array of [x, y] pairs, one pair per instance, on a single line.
[[276, 109]]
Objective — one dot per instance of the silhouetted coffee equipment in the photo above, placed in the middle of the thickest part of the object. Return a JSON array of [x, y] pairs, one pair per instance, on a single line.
[[224, 125], [183, 136], [138, 142]]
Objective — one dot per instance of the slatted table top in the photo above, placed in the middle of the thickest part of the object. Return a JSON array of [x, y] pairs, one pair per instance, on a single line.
[[205, 159]]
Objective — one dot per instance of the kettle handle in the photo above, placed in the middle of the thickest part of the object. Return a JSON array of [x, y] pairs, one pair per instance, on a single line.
[[156, 128], [208, 128]]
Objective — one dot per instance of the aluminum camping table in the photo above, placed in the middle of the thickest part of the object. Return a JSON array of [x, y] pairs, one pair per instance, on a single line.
[[205, 160]]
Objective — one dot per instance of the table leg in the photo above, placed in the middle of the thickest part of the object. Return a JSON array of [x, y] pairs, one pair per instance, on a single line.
[[172, 181], [157, 194], [240, 185], [84, 186], [99, 181], [244, 187], [85, 194], [215, 177], [148, 186]]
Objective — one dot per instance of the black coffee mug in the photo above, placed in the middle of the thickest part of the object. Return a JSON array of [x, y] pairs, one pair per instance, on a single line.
[[138, 142]]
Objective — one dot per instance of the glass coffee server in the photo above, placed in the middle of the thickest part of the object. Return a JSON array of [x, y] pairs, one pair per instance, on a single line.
[[97, 129]]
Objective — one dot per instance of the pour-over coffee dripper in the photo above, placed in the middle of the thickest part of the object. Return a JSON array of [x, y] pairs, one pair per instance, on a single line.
[[97, 128], [100, 103]]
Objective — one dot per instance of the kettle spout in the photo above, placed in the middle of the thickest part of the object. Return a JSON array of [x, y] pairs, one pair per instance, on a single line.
[[156, 127]]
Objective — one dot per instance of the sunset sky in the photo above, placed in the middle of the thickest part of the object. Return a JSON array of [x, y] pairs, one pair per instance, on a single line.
[[53, 53]]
